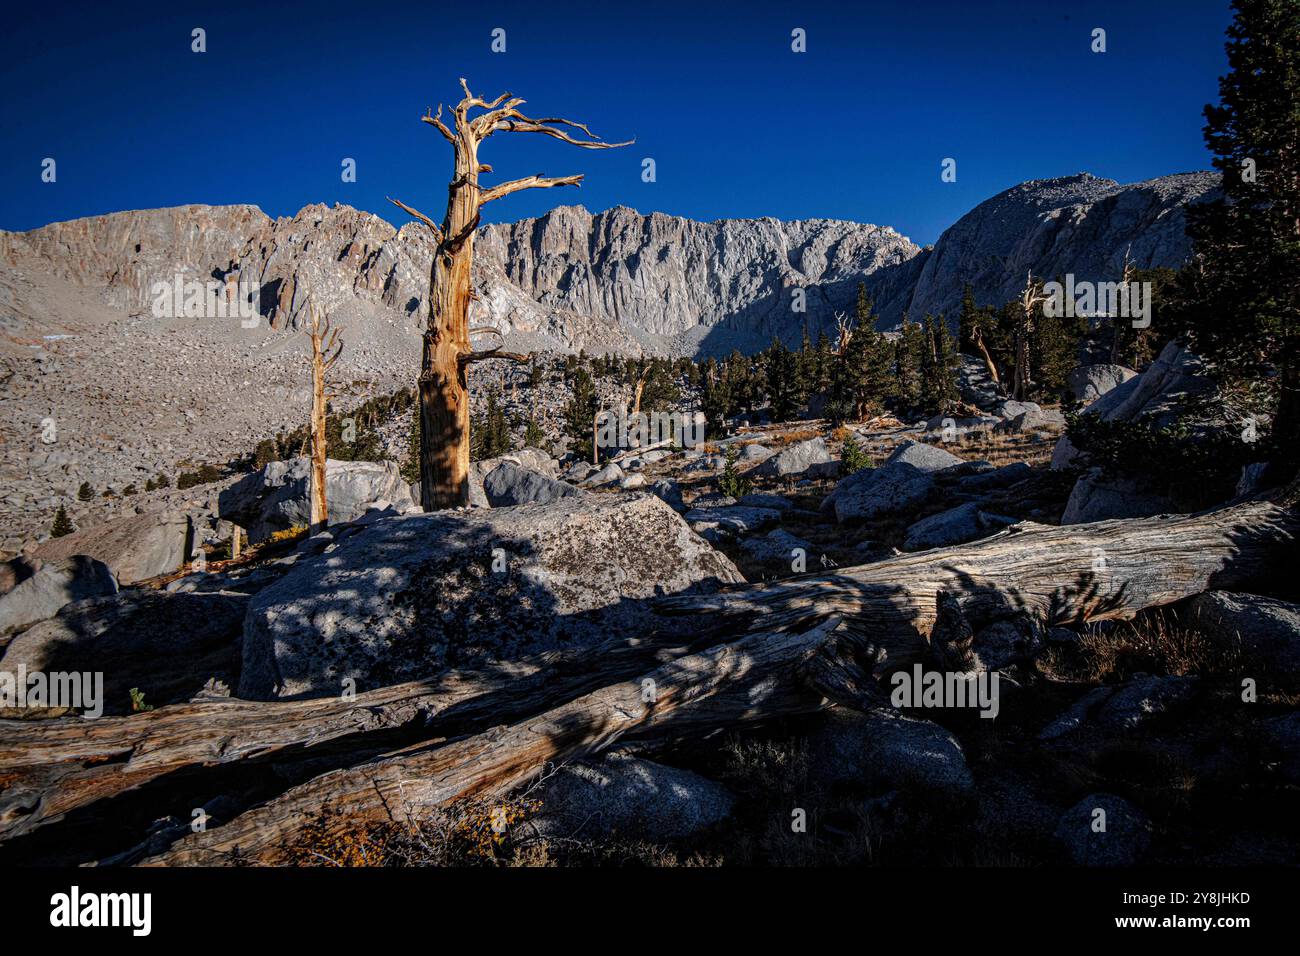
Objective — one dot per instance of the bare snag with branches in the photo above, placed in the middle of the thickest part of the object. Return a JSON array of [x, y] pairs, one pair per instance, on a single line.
[[447, 353]]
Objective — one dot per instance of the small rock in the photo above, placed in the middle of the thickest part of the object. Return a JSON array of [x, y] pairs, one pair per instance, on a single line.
[[1104, 830]]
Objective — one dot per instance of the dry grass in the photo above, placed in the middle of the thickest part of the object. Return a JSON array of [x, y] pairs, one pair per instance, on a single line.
[[1151, 643]]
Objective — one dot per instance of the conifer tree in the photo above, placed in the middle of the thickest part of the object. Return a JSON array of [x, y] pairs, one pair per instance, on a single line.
[[1244, 283], [62, 524], [908, 350], [580, 415]]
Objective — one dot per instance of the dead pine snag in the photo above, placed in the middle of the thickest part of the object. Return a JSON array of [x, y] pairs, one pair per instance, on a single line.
[[447, 353]]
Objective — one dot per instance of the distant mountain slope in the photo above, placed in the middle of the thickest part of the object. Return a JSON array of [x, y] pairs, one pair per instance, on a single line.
[[678, 283], [1078, 224]]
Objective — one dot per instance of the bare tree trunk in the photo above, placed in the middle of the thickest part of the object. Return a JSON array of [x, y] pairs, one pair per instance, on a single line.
[[446, 354], [755, 678], [1030, 299], [324, 340], [989, 364]]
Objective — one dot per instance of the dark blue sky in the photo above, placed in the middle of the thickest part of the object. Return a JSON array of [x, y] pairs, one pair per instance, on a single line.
[[739, 126]]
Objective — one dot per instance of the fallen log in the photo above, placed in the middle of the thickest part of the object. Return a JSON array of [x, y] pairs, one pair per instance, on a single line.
[[49, 768], [1107, 570], [754, 678]]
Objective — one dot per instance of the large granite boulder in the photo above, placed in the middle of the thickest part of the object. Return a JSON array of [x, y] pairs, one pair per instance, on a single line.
[[901, 483], [875, 492], [882, 749], [408, 596], [796, 459], [1089, 382], [1159, 397], [629, 797], [1104, 830], [1097, 496], [922, 456], [1266, 629], [278, 497], [965, 522], [135, 547], [53, 585], [166, 645], [534, 459], [510, 484]]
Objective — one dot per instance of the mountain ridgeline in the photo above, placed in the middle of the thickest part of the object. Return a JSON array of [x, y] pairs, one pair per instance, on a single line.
[[620, 280]]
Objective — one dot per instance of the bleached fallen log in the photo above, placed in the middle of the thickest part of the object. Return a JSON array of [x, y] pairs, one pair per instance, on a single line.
[[49, 768], [1107, 570], [754, 678]]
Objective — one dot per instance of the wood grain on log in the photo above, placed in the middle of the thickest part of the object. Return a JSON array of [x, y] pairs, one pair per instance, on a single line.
[[753, 678]]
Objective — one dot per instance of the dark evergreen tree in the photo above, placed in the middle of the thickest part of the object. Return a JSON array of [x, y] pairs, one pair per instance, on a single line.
[[580, 415], [782, 373], [938, 366], [62, 524], [1243, 288], [908, 349]]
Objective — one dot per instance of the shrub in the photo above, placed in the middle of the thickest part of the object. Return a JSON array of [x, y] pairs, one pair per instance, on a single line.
[[732, 482], [205, 475], [62, 524], [854, 457]]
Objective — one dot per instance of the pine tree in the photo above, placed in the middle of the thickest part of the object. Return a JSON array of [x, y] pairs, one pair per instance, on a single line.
[[580, 415], [979, 334], [715, 397], [62, 524], [533, 434], [907, 363], [85, 492], [1244, 284], [496, 439], [411, 466], [938, 366], [783, 391], [823, 363], [660, 391], [1054, 352]]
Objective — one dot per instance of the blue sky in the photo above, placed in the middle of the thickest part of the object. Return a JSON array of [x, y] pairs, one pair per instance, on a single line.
[[737, 123]]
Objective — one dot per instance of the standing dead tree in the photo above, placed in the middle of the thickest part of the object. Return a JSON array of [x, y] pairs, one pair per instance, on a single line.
[[325, 348], [447, 354], [1030, 299]]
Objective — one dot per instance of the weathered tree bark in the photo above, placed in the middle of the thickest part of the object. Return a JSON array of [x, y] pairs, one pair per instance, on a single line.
[[49, 768], [1105, 570], [978, 338], [324, 341], [1030, 299], [757, 677], [446, 355]]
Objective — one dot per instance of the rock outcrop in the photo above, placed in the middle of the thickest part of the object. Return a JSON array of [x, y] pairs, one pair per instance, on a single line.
[[52, 586], [277, 497], [135, 547], [409, 596], [1078, 224]]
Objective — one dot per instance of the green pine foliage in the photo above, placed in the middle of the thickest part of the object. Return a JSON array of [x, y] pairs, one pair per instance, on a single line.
[[1243, 288], [62, 524], [580, 414]]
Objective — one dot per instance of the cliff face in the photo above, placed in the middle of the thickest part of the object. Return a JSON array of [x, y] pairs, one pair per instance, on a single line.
[[623, 281], [678, 281], [1074, 224]]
